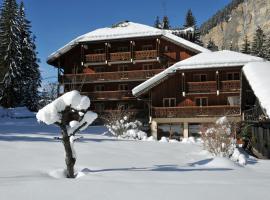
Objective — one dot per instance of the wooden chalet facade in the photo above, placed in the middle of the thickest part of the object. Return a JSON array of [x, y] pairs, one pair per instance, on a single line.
[[108, 63], [194, 92]]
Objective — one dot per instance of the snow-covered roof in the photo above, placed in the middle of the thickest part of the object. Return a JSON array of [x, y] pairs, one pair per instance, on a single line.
[[125, 30], [204, 60], [257, 74]]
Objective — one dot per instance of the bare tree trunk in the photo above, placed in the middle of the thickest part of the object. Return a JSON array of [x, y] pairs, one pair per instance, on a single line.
[[70, 161]]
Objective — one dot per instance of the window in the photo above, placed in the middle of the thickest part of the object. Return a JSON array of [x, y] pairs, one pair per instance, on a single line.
[[233, 100], [233, 76], [201, 101], [173, 131], [122, 68], [147, 47], [122, 49], [147, 66], [99, 88], [194, 130], [169, 102], [123, 87], [200, 77], [98, 51]]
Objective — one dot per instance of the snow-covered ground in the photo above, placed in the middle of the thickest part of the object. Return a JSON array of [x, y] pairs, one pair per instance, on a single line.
[[32, 162]]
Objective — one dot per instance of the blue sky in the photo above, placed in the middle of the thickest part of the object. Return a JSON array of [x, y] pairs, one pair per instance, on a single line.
[[56, 22]]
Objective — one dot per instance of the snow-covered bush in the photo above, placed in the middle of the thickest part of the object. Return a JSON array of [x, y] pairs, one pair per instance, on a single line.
[[120, 125], [218, 138], [69, 112], [238, 157]]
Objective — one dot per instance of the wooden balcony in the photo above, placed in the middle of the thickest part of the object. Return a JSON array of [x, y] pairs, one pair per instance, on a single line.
[[109, 76], [232, 85], [206, 86], [110, 95], [120, 56], [145, 55], [95, 58], [195, 111]]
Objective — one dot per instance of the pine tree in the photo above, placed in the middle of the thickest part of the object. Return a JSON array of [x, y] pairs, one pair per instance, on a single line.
[[190, 20], [246, 46], [195, 35], [10, 54], [259, 44], [212, 46], [157, 23], [267, 49], [30, 81], [166, 23]]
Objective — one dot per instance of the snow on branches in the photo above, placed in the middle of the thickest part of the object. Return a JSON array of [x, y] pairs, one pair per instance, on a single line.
[[70, 110]]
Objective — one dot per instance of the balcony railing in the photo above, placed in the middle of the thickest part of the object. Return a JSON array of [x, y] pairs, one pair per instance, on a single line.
[[195, 111], [230, 85], [110, 95], [120, 56], [207, 86], [145, 55], [95, 58], [109, 76]]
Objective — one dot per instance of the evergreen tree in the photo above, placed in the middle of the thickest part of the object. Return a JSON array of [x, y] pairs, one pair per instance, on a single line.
[[157, 23], [246, 46], [10, 54], [259, 44], [190, 19], [267, 49], [166, 23], [30, 81], [211, 45]]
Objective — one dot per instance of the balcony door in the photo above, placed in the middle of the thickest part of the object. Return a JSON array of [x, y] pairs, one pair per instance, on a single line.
[[169, 102]]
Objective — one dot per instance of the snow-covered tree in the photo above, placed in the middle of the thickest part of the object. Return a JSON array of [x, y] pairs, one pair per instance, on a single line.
[[246, 46], [218, 138], [190, 22], [30, 81], [69, 112], [10, 54], [258, 47], [211, 45]]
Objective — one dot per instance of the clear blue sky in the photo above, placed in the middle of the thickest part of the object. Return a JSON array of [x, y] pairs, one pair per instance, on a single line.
[[56, 22]]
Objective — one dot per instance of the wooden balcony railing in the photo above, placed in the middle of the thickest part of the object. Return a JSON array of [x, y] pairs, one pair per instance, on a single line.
[[120, 56], [195, 111], [230, 85], [207, 86], [145, 55], [110, 95], [95, 58], [109, 76]]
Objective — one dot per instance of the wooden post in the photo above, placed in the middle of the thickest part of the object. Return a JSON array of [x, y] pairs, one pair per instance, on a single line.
[[82, 55], [157, 48], [217, 82], [183, 85]]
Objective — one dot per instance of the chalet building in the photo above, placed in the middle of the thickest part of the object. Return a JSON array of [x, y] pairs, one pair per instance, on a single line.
[[255, 100], [193, 92], [107, 63]]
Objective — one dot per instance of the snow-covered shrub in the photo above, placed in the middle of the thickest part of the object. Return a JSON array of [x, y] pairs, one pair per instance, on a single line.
[[218, 138], [238, 157], [69, 112], [120, 125]]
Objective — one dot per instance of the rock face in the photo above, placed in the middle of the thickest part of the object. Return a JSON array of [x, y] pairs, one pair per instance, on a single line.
[[244, 20]]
